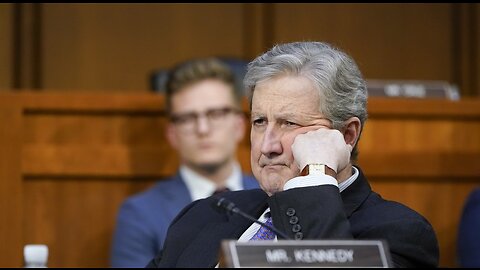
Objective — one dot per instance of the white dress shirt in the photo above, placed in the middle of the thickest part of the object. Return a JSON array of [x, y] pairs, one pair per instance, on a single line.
[[201, 187]]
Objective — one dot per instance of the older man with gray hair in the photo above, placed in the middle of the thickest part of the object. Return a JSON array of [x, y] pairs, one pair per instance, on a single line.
[[308, 108]]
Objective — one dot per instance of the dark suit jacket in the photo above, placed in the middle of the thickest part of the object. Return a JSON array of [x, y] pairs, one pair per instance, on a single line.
[[194, 237], [143, 220], [469, 232]]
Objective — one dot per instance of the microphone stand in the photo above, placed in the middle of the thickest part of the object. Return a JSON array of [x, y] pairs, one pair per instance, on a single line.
[[232, 209]]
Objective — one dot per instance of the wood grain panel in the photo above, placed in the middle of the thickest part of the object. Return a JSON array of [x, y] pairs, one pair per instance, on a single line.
[[59, 102], [11, 194], [115, 47], [124, 144], [425, 154], [6, 46], [440, 200], [75, 217], [388, 41], [476, 45], [467, 48], [406, 108], [81, 154]]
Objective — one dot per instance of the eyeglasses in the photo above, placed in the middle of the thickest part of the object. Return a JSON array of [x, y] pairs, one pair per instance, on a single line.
[[186, 122]]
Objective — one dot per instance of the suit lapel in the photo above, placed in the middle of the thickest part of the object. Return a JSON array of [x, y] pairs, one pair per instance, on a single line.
[[355, 194], [228, 227], [200, 252]]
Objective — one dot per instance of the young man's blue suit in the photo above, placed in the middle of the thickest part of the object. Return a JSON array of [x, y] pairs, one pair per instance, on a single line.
[[469, 232], [143, 220]]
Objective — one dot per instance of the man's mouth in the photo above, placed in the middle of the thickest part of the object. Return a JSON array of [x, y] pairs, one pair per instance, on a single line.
[[273, 166]]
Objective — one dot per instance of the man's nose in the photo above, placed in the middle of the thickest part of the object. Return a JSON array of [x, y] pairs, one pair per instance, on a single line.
[[271, 144], [203, 124]]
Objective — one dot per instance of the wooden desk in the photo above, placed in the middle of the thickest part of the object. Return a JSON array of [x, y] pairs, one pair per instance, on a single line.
[[68, 160]]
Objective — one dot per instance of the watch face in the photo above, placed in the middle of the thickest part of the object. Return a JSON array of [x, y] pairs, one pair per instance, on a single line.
[[316, 168]]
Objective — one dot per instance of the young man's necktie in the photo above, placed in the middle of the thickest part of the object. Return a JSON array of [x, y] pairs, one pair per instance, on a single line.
[[220, 190]]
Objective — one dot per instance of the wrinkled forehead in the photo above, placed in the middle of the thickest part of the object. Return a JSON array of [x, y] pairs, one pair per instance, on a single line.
[[285, 94]]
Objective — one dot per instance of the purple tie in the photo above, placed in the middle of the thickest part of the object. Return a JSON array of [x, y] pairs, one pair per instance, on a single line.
[[264, 233]]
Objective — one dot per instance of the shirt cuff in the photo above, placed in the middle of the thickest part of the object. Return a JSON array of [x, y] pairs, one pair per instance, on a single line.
[[310, 181]]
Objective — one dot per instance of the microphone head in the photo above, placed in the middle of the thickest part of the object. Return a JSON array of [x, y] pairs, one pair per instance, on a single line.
[[220, 202], [230, 208], [225, 205]]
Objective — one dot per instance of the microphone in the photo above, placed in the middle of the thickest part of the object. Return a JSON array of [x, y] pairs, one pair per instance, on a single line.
[[230, 208]]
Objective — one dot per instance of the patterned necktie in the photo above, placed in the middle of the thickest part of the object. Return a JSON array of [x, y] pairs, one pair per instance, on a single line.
[[264, 233]]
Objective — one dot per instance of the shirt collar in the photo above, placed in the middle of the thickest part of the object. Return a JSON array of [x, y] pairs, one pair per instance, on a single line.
[[201, 187], [343, 185]]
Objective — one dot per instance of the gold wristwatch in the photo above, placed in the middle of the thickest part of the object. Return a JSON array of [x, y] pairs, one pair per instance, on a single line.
[[315, 168]]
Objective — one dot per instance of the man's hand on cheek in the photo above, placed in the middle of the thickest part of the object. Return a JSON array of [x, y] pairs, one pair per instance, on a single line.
[[321, 146]]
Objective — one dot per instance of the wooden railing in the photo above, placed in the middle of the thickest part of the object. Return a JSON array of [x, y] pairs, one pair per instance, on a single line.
[[67, 161]]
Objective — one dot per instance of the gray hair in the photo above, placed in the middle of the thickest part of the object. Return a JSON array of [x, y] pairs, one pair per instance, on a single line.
[[342, 89]]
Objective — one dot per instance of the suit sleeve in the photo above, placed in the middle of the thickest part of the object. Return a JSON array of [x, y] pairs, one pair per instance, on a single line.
[[310, 213], [133, 245], [411, 241], [317, 213]]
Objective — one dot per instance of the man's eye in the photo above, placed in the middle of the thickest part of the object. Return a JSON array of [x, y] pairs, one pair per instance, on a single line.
[[217, 113], [290, 124], [182, 119], [258, 122]]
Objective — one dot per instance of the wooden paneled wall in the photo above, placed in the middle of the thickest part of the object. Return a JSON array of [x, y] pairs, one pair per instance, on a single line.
[[425, 154], [6, 46], [116, 46], [403, 41], [68, 160]]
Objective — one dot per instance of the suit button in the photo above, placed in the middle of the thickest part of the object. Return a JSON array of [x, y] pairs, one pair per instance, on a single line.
[[298, 236], [290, 212], [296, 228], [294, 220]]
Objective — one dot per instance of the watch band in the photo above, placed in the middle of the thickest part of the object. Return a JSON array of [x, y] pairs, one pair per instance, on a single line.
[[318, 169]]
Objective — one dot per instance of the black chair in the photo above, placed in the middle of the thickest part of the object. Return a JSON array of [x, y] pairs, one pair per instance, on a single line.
[[158, 78]]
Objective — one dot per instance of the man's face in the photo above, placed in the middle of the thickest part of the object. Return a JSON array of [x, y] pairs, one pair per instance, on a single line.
[[206, 132], [282, 108]]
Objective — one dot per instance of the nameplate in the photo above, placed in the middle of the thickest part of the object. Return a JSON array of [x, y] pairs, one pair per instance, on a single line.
[[412, 89], [306, 253]]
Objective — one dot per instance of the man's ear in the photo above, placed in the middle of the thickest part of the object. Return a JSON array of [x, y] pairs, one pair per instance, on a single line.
[[171, 134], [351, 130]]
